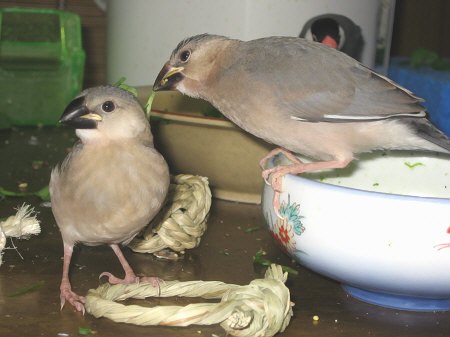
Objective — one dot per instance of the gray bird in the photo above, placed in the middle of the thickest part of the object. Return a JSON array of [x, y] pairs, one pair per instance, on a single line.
[[303, 96], [111, 184]]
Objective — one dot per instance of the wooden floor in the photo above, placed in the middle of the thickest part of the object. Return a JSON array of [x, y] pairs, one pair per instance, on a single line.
[[225, 254]]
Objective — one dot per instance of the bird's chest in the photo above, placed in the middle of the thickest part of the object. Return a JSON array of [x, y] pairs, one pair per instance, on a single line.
[[108, 196], [98, 184]]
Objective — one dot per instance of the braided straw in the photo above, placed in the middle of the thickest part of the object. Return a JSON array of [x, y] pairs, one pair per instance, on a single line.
[[183, 219], [260, 309]]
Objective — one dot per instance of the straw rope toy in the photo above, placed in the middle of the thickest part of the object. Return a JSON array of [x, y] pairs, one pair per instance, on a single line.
[[260, 309], [182, 220]]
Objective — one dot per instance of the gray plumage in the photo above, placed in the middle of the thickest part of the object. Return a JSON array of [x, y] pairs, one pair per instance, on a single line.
[[301, 95], [112, 183]]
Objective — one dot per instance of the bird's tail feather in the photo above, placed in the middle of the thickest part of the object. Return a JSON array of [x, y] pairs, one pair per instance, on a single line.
[[426, 130]]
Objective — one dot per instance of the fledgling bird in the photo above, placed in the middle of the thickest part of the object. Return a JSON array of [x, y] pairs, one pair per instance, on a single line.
[[111, 184], [303, 96]]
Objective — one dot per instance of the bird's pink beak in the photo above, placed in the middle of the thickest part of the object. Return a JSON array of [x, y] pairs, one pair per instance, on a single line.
[[168, 78]]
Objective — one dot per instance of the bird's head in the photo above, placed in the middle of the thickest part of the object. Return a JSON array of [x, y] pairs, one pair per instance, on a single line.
[[106, 113], [191, 64]]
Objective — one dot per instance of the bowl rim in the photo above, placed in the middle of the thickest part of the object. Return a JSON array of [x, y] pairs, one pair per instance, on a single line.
[[354, 189], [191, 118], [362, 191]]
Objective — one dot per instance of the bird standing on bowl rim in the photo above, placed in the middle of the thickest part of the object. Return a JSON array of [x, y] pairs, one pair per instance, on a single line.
[[111, 184], [304, 97]]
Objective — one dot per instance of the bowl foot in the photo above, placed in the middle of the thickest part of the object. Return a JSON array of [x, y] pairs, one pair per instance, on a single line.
[[398, 301]]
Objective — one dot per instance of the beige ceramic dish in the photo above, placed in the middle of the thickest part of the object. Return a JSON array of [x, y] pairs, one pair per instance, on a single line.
[[206, 146]]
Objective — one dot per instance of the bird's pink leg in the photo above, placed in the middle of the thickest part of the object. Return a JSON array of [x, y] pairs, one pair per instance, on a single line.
[[65, 288], [274, 152], [280, 171], [262, 163], [130, 276]]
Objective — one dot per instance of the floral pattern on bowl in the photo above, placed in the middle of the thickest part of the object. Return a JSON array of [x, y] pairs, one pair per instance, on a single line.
[[380, 227]]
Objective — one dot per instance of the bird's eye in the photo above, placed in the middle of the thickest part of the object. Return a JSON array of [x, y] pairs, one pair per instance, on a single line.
[[185, 55], [108, 106]]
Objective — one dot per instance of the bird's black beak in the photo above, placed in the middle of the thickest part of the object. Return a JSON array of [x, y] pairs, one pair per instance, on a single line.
[[78, 116], [168, 78]]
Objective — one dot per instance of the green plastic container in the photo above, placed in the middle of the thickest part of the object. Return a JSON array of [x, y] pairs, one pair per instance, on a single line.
[[41, 64]]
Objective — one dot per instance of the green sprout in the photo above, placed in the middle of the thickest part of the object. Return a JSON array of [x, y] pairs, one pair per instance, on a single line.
[[43, 193], [261, 260], [121, 84], [423, 57], [413, 165], [148, 105], [85, 331], [27, 289]]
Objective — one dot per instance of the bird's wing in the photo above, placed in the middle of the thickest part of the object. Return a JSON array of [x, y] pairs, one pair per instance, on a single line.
[[315, 83]]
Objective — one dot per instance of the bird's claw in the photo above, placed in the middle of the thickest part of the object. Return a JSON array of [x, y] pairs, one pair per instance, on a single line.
[[276, 185], [263, 162], [129, 279], [75, 300], [276, 205], [115, 280], [265, 176]]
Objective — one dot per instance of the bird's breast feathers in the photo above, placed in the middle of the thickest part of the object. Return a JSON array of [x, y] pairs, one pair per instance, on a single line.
[[108, 191]]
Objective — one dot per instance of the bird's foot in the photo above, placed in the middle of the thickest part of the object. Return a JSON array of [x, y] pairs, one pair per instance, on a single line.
[[289, 155], [276, 184], [75, 300], [266, 174], [128, 279], [132, 278], [278, 172], [262, 163]]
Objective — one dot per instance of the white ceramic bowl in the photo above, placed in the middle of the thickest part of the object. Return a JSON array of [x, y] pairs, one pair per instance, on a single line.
[[381, 227]]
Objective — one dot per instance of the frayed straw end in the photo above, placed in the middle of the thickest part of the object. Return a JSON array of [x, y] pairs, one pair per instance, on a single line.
[[23, 224]]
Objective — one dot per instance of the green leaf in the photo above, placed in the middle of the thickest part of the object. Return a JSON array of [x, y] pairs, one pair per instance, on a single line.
[[43, 193], [148, 105], [413, 165], [120, 81], [27, 289], [6, 193], [121, 84], [441, 64], [252, 229], [423, 57], [259, 259], [85, 331]]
